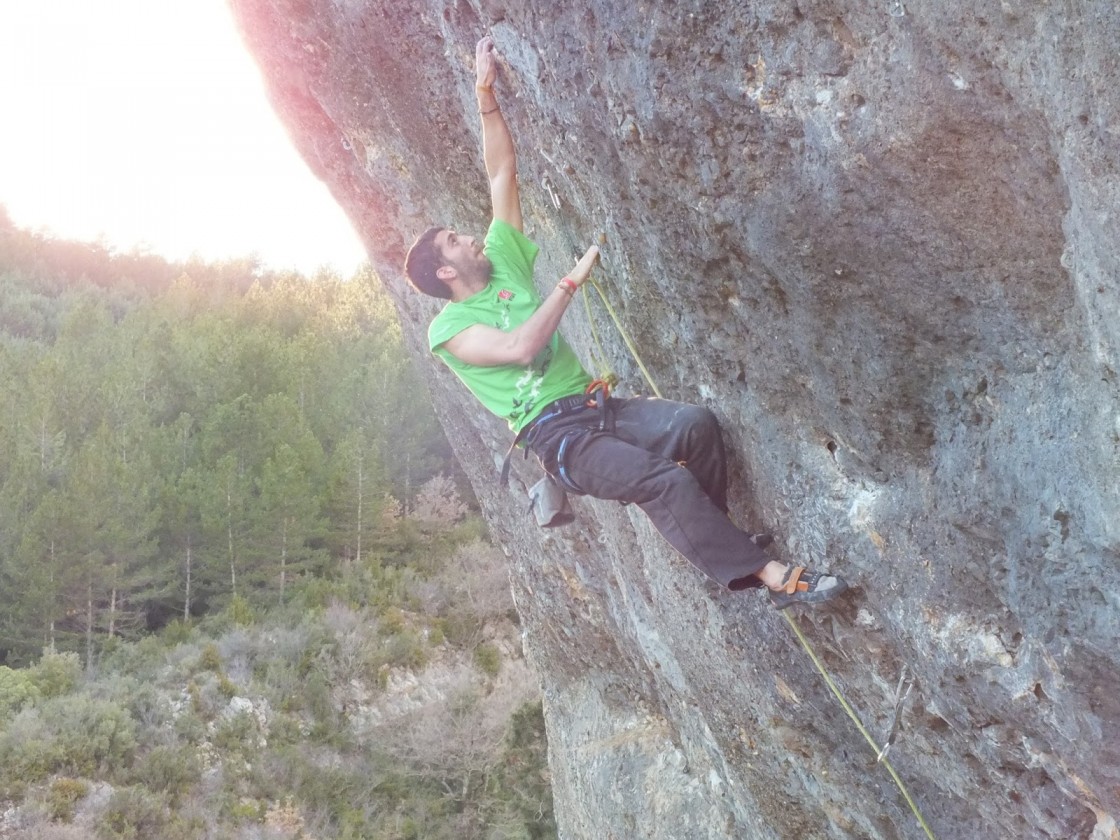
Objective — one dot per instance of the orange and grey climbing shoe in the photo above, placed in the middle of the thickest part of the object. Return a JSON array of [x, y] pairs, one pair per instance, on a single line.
[[800, 586]]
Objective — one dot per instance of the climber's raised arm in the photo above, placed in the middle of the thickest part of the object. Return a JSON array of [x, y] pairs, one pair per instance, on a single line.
[[497, 143]]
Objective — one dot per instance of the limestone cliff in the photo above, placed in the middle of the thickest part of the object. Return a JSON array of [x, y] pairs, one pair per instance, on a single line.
[[880, 241]]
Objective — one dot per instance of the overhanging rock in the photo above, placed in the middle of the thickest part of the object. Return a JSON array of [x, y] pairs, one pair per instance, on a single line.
[[880, 241]]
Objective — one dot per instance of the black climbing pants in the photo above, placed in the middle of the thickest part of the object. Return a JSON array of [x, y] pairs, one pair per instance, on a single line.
[[638, 459]]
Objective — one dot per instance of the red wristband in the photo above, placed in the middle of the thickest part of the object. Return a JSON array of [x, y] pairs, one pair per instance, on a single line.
[[568, 285]]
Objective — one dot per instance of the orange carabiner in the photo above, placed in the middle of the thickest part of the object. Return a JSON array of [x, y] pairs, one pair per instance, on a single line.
[[593, 390]]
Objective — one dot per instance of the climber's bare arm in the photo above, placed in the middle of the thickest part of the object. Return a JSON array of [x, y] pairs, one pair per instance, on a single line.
[[485, 346], [497, 143]]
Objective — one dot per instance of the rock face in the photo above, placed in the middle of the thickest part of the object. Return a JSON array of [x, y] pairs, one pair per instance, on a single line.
[[880, 241]]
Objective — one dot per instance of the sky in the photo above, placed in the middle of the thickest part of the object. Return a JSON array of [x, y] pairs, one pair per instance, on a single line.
[[145, 124]]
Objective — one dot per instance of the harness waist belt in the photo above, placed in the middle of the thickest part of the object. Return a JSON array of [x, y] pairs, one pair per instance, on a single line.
[[564, 405], [556, 408]]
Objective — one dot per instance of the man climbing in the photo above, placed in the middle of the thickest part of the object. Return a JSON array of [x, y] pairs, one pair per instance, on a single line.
[[500, 338]]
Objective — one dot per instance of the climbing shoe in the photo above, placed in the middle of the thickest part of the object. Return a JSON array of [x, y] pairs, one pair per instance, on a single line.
[[800, 586]]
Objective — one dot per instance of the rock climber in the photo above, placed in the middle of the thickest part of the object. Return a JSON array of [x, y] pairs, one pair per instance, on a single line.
[[500, 338]]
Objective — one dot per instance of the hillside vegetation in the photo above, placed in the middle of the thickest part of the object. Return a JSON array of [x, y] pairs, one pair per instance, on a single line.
[[241, 594]]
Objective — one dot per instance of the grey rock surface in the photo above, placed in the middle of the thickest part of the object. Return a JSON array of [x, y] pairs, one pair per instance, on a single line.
[[880, 241]]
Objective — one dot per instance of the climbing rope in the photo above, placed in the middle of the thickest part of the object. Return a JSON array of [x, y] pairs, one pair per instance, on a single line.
[[844, 704], [601, 359], [625, 337], [847, 707]]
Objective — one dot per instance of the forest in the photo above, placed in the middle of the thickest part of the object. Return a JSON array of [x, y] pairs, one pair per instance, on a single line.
[[233, 540]]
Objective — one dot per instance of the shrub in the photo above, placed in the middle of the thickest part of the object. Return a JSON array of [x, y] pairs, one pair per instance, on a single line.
[[136, 813], [285, 818], [198, 705], [210, 659], [406, 650], [145, 701], [317, 700], [56, 673], [26, 753], [282, 685], [438, 502], [284, 730], [461, 627], [488, 658], [64, 794], [77, 735], [240, 612], [190, 728], [89, 734], [226, 688], [178, 632], [237, 733], [169, 770], [16, 691]]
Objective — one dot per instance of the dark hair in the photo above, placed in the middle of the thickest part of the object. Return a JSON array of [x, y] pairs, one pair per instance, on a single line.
[[424, 259]]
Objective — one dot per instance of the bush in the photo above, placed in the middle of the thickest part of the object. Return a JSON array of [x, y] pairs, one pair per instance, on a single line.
[[178, 632], [132, 813], [210, 659], [16, 691], [405, 650], [198, 704], [240, 612], [436, 635], [56, 673], [226, 688], [488, 658], [90, 734], [520, 788], [136, 813], [284, 730], [142, 657], [64, 794], [26, 753], [146, 703], [169, 770], [190, 728], [461, 627], [77, 735]]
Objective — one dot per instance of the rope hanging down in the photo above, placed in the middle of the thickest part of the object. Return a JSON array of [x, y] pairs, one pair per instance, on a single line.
[[844, 704]]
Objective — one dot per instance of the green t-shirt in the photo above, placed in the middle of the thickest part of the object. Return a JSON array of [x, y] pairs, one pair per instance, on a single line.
[[513, 392]]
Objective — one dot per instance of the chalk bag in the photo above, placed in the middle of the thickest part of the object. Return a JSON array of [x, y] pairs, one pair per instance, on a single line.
[[549, 504]]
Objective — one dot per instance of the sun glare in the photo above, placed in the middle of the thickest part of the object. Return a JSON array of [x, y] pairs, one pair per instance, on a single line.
[[146, 125]]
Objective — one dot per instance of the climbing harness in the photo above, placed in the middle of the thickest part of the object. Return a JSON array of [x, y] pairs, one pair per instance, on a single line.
[[881, 753], [556, 408], [597, 396]]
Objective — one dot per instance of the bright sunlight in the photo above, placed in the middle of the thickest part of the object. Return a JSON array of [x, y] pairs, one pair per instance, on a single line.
[[146, 125]]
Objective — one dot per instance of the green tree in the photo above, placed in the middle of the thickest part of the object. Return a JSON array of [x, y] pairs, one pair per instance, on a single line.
[[41, 570], [286, 515], [112, 533], [354, 493]]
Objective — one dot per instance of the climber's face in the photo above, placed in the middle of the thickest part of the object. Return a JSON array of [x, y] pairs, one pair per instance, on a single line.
[[464, 256]]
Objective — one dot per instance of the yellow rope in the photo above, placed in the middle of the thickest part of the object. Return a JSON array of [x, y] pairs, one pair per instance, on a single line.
[[844, 704], [625, 337], [855, 719], [601, 361]]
